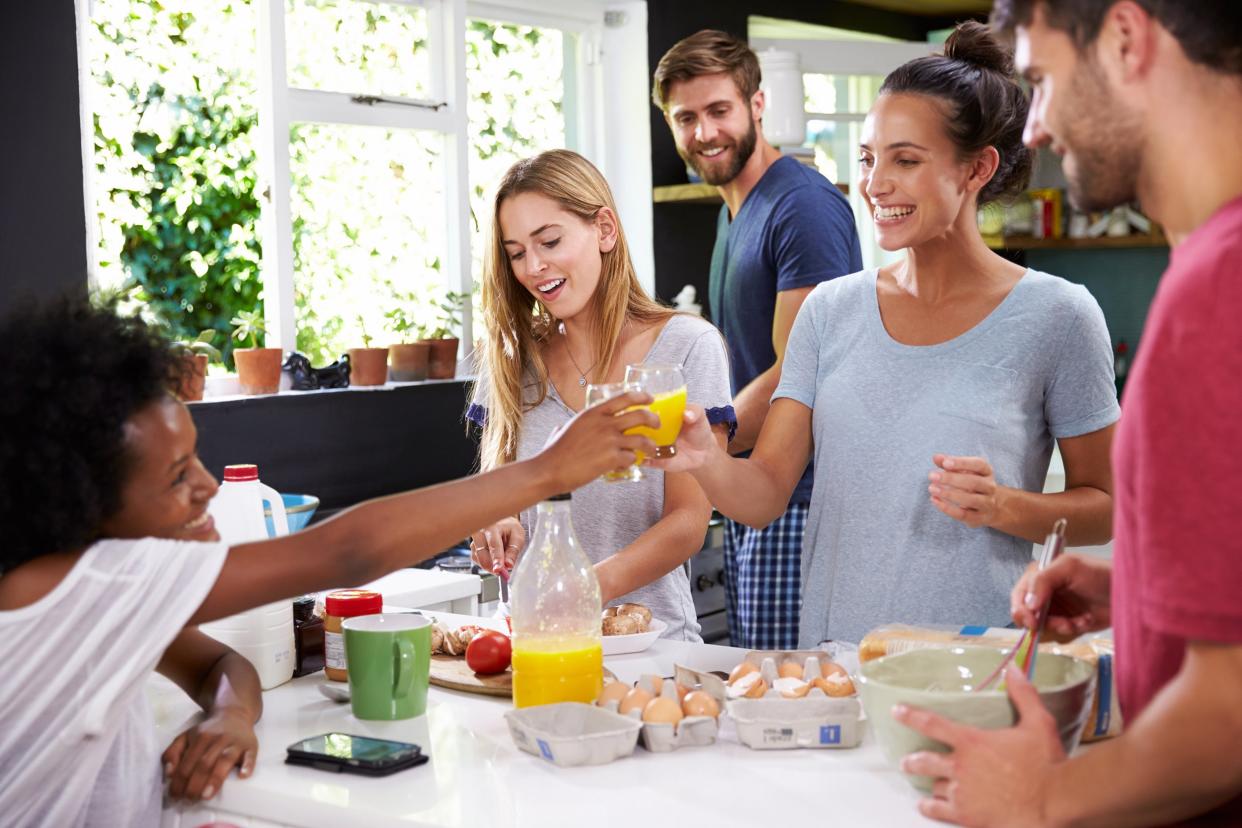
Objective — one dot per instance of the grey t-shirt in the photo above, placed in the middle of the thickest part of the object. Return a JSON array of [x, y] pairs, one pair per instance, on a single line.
[[609, 516], [876, 549]]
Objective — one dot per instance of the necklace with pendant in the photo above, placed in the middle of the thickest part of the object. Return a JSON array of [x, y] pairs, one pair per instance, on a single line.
[[582, 380]]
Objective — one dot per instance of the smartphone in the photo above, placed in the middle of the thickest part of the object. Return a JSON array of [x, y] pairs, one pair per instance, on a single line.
[[342, 752]]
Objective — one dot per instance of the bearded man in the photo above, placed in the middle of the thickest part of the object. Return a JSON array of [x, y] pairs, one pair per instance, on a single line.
[[783, 229]]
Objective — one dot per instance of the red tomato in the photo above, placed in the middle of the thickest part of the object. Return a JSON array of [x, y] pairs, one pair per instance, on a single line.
[[489, 652]]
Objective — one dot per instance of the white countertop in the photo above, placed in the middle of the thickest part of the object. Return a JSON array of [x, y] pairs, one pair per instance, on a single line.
[[478, 777], [427, 587]]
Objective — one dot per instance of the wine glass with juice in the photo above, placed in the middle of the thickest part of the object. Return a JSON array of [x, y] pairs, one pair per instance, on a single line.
[[667, 385], [596, 394]]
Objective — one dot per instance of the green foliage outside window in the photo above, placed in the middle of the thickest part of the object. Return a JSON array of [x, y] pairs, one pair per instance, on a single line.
[[176, 178], [178, 207]]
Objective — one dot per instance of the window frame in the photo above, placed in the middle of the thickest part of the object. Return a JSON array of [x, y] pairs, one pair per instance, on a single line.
[[281, 105], [605, 107]]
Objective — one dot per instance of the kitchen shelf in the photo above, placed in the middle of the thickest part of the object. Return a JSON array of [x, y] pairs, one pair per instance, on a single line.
[[698, 194], [686, 194], [1103, 242]]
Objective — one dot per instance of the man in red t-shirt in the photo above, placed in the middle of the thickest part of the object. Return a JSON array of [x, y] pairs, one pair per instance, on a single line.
[[1143, 98]]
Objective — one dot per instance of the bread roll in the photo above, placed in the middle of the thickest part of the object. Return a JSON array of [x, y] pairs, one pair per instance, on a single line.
[[638, 610], [622, 625]]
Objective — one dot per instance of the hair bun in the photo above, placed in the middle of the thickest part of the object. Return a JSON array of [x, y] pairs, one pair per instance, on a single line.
[[972, 42]]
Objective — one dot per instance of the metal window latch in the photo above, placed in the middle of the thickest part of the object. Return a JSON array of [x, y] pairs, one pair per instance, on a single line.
[[372, 100]]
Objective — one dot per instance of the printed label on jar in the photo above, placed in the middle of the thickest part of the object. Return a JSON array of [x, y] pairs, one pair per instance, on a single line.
[[334, 650]]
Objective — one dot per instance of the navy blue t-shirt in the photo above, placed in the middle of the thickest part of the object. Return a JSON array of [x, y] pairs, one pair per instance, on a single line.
[[795, 229]]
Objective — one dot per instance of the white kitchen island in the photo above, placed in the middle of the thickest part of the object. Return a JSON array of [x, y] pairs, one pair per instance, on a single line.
[[477, 777]]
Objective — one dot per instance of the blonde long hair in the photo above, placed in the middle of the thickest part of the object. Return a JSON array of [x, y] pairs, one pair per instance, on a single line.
[[518, 323]]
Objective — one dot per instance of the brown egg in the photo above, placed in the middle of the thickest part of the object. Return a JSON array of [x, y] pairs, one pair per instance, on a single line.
[[836, 686], [635, 699], [682, 691], [655, 684], [662, 711], [741, 670], [614, 691], [831, 668], [700, 703], [790, 669]]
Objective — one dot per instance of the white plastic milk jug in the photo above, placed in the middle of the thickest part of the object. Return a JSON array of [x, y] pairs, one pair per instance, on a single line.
[[264, 635]]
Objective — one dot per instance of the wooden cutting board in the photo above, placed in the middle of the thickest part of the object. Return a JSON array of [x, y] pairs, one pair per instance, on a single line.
[[451, 672]]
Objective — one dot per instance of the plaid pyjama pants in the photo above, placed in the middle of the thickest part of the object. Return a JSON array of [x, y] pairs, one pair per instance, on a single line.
[[763, 588]]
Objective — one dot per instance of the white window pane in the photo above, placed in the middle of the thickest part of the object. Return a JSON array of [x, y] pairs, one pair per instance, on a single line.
[[359, 47], [516, 87], [834, 152], [840, 94], [368, 227]]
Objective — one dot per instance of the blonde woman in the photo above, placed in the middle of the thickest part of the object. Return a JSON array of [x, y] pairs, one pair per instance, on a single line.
[[564, 309]]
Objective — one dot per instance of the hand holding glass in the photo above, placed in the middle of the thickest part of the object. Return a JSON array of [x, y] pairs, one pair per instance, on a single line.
[[667, 385], [596, 394]]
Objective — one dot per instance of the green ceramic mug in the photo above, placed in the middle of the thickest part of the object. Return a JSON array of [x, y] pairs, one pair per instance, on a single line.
[[389, 661]]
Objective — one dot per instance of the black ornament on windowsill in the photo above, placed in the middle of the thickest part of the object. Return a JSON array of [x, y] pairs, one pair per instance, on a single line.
[[307, 378]]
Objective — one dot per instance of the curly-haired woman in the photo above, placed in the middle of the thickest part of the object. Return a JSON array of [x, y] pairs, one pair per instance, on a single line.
[[110, 559]]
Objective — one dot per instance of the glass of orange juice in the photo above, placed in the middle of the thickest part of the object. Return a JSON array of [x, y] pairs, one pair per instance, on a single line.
[[596, 394], [667, 385]]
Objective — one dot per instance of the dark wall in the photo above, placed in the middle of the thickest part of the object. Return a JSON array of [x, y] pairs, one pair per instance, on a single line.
[[342, 446], [42, 213], [684, 234]]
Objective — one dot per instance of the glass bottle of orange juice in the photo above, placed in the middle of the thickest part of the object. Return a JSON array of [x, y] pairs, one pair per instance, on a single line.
[[555, 610]]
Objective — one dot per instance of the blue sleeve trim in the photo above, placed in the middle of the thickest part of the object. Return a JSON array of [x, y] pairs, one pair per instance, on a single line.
[[477, 414], [724, 414]]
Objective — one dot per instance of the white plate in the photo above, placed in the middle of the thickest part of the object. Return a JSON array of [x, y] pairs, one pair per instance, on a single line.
[[636, 643]]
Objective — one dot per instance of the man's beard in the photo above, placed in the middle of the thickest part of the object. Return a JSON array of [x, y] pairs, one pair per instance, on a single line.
[[743, 149], [1103, 138]]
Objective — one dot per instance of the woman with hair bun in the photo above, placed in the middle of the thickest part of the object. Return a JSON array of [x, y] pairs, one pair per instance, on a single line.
[[930, 390]]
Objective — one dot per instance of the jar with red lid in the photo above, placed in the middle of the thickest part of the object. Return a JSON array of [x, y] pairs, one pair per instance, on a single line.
[[339, 605]]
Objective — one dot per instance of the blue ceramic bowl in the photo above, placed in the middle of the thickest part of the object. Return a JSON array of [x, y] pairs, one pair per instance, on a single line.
[[299, 509]]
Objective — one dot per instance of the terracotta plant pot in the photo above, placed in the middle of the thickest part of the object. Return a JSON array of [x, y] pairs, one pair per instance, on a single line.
[[368, 366], [194, 380], [443, 359], [408, 362], [258, 369]]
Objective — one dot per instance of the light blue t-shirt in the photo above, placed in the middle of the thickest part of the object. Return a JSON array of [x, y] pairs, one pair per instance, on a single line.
[[876, 550]]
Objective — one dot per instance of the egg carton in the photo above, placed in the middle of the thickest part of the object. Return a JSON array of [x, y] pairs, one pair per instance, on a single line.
[[691, 731], [815, 720], [572, 733]]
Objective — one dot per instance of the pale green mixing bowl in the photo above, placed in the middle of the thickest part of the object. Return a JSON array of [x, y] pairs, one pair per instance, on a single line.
[[942, 680]]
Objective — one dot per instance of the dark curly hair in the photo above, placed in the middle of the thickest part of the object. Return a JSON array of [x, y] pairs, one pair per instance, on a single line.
[[975, 78], [73, 374]]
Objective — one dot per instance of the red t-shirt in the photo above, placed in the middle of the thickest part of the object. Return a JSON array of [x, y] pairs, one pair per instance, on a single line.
[[1177, 568]]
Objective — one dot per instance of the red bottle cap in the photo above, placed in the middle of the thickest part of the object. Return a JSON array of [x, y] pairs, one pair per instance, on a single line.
[[347, 603], [241, 473]]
